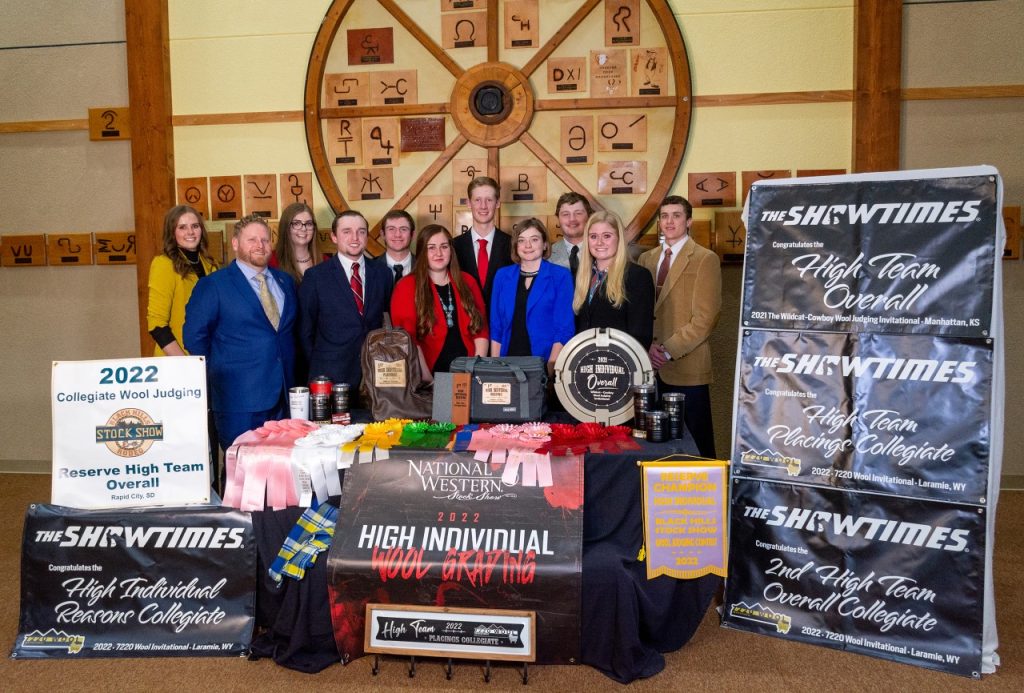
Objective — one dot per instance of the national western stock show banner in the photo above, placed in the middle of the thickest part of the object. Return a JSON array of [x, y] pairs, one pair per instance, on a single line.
[[136, 583], [444, 529], [130, 433], [868, 416]]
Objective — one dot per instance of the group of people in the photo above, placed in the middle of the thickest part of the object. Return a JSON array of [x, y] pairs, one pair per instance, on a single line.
[[275, 315]]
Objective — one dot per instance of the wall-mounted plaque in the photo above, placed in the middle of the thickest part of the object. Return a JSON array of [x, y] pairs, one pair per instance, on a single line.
[[751, 177], [109, 124], [296, 187], [193, 191], [522, 24], [114, 247], [511, 224], [621, 22], [554, 227], [226, 197], [371, 46], [618, 133], [621, 177], [730, 236], [700, 231], [814, 172], [261, 195], [1011, 217], [464, 30], [524, 183], [344, 141], [24, 251], [567, 75], [380, 141], [215, 245], [435, 209], [649, 71], [608, 73], [422, 134], [463, 221], [577, 141], [392, 88], [452, 5], [65, 249], [712, 189], [463, 172], [347, 89], [370, 184]]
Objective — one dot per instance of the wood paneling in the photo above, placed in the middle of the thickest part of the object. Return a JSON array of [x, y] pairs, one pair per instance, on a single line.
[[878, 26]]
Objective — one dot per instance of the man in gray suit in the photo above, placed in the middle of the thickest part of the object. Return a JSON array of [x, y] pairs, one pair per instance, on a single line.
[[572, 210]]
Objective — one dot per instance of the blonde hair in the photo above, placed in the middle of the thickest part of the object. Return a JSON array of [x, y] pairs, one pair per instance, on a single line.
[[615, 281]]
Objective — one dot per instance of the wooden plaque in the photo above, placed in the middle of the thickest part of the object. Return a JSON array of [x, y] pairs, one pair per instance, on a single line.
[[194, 192], [511, 224], [463, 172], [464, 30], [621, 177], [344, 141], [463, 221], [370, 184], [435, 209], [114, 247], [554, 227], [567, 75], [1011, 217], [751, 177], [577, 140], [649, 71], [730, 236], [524, 183], [700, 231], [296, 187], [24, 251], [814, 172], [226, 197], [215, 245], [608, 73], [622, 133], [621, 22], [371, 46], [261, 195], [65, 249], [381, 137], [422, 134], [393, 88], [712, 189], [109, 124], [522, 24], [347, 89], [452, 5], [323, 240]]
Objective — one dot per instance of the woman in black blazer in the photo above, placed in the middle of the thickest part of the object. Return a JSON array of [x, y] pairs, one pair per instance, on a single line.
[[611, 291]]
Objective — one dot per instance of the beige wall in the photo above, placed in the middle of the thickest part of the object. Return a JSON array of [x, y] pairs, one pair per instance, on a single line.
[[239, 55]]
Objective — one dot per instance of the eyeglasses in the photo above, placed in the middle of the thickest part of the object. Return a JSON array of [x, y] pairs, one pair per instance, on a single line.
[[296, 224]]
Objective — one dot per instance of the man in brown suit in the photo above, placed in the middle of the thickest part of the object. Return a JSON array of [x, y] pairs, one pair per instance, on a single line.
[[688, 297]]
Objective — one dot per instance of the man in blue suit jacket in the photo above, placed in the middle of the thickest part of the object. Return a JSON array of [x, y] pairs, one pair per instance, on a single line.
[[250, 361], [332, 324]]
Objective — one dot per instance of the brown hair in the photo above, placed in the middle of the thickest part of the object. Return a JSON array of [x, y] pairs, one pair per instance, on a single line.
[[531, 223], [171, 249], [425, 318], [284, 250]]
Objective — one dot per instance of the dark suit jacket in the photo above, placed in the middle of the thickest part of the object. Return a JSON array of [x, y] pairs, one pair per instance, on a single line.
[[501, 255], [331, 330], [635, 316], [249, 365]]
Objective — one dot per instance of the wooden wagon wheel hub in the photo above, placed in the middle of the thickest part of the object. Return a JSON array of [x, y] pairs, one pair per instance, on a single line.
[[492, 104]]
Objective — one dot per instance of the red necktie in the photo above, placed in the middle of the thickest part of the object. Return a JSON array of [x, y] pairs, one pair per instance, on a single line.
[[663, 271], [357, 287], [481, 262]]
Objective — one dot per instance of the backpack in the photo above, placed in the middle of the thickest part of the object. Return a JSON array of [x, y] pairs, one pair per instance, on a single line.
[[392, 381]]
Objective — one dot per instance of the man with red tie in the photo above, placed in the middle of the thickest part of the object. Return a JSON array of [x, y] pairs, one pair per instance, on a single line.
[[687, 300], [486, 248], [340, 301]]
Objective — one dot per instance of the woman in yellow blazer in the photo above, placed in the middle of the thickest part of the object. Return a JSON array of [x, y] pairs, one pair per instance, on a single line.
[[172, 276]]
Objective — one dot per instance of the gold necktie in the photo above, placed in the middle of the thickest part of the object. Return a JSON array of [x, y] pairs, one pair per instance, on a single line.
[[268, 302]]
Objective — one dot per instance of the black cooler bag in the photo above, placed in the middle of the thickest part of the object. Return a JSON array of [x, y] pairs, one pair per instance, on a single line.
[[511, 389]]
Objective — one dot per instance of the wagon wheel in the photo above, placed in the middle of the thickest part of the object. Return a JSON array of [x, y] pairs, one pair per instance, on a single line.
[[519, 119]]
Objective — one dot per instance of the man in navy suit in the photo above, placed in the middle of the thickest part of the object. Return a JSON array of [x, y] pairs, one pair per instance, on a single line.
[[242, 319], [340, 301], [485, 242]]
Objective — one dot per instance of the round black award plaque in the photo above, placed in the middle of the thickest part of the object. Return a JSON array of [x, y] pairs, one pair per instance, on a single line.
[[595, 373]]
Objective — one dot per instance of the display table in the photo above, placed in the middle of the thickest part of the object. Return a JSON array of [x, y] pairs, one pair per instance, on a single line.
[[627, 620]]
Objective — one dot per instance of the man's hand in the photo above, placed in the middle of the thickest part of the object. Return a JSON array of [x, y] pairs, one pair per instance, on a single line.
[[657, 354]]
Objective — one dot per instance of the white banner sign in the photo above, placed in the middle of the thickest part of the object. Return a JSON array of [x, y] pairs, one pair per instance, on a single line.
[[130, 433]]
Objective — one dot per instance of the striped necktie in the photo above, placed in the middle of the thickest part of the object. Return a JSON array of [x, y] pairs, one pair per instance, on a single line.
[[666, 261], [357, 287]]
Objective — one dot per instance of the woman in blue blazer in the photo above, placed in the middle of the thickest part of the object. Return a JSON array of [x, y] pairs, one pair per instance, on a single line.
[[531, 303]]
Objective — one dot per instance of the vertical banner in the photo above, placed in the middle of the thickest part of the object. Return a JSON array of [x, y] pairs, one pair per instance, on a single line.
[[684, 518], [130, 432], [868, 423], [446, 529]]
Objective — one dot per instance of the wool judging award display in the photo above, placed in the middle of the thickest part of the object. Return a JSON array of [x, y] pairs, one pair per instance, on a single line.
[[130, 433]]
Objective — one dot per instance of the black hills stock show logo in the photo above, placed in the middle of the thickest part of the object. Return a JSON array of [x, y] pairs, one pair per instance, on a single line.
[[129, 432]]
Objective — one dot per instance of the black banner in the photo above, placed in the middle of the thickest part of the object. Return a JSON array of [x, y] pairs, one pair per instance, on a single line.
[[897, 414], [873, 256], [889, 577], [443, 529], [136, 583]]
